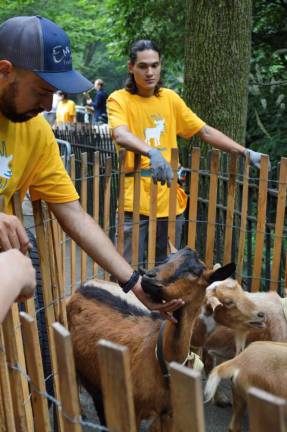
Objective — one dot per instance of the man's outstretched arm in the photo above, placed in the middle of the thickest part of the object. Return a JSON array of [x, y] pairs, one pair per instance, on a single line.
[[91, 238]]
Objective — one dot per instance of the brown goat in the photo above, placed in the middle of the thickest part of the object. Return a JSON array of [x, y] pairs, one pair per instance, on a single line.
[[262, 365], [95, 314]]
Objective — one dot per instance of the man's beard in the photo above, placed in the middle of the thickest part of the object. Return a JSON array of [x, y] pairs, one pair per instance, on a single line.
[[8, 105]]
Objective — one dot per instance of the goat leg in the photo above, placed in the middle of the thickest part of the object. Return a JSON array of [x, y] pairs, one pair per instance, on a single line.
[[239, 405]]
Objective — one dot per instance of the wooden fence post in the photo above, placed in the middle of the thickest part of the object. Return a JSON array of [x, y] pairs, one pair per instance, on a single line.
[[261, 222], [136, 212], [279, 226], [35, 371], [244, 210], [7, 422], [172, 197], [107, 201], [193, 197], [13, 347], [116, 386], [211, 218], [266, 412], [84, 175], [96, 197], [121, 202], [152, 225], [73, 273], [47, 294], [230, 210], [186, 397], [67, 379]]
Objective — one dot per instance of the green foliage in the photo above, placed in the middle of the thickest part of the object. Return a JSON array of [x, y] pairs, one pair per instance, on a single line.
[[267, 114], [83, 21], [160, 20]]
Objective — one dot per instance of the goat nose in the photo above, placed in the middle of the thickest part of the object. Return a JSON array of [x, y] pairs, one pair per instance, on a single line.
[[261, 315]]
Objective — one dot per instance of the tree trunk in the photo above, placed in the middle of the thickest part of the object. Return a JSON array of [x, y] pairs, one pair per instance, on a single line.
[[217, 59]]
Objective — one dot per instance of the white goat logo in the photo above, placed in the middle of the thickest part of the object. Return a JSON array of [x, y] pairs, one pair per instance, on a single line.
[[155, 132], [5, 171]]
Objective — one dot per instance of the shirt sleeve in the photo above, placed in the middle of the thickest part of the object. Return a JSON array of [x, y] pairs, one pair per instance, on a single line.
[[72, 109], [187, 122], [51, 181], [116, 112]]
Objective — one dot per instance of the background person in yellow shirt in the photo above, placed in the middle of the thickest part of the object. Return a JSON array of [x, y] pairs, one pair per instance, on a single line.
[[146, 118], [66, 110]]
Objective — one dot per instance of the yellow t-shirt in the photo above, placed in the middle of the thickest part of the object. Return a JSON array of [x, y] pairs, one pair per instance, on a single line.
[[157, 120], [30, 159], [66, 111]]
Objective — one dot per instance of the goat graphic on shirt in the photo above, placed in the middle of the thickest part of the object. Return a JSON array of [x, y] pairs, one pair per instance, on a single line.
[[5, 170], [154, 133]]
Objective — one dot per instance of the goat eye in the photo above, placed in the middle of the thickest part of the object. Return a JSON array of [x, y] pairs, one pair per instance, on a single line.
[[229, 303]]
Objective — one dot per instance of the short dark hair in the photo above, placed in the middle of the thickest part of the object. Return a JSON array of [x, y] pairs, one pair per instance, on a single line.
[[141, 45], [61, 93]]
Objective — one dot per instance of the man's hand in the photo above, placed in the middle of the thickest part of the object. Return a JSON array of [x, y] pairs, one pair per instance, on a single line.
[[18, 274], [255, 158], [13, 234], [165, 309], [160, 168]]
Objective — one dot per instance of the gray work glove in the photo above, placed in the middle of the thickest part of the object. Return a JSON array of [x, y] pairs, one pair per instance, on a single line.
[[160, 168], [255, 158]]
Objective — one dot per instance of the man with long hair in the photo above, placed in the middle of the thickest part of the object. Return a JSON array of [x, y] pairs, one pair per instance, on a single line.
[[146, 118]]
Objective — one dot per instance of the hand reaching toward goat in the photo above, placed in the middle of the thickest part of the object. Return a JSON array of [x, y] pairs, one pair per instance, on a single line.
[[13, 234], [18, 279], [165, 309]]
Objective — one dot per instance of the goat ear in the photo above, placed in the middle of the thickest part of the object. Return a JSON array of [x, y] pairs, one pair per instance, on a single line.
[[222, 273], [171, 248]]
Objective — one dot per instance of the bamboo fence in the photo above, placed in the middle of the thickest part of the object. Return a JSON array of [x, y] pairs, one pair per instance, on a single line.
[[25, 404]]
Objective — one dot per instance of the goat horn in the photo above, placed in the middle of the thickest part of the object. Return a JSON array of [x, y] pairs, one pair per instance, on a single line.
[[213, 302], [171, 247]]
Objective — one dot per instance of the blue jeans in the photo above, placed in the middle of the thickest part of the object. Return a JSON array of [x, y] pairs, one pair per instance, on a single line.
[[161, 237]]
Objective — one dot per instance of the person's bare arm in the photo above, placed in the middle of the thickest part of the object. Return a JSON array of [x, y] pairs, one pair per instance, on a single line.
[[91, 238], [18, 279], [220, 141]]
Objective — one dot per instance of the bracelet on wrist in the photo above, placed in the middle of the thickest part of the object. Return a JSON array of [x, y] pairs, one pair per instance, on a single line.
[[130, 284]]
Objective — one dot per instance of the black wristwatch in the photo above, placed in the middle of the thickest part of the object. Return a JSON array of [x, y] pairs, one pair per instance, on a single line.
[[127, 286]]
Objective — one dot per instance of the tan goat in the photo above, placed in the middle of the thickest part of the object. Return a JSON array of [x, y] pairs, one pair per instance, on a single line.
[[275, 329], [262, 365], [226, 304], [94, 314]]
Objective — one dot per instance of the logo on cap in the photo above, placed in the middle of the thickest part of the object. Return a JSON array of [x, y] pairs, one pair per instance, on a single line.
[[61, 54]]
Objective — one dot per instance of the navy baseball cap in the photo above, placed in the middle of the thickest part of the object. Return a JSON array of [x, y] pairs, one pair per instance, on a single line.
[[37, 44]]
